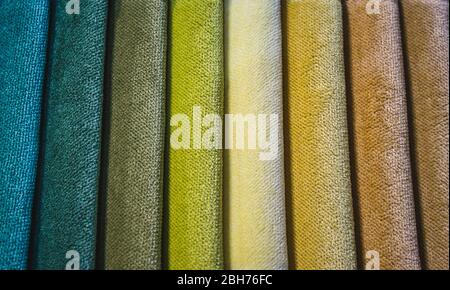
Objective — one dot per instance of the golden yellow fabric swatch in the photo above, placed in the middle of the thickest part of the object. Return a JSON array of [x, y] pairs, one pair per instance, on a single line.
[[319, 200]]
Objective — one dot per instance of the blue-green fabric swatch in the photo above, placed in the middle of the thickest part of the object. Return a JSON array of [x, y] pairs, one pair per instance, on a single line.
[[23, 45], [67, 212]]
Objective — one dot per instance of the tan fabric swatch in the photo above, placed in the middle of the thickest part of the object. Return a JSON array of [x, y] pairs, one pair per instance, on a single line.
[[380, 129], [425, 25]]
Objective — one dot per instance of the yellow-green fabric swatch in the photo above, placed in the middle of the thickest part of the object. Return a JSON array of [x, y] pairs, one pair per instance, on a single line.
[[319, 198], [194, 181], [255, 231]]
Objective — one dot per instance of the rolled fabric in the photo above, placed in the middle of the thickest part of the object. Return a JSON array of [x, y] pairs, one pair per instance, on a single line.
[[67, 214], [255, 232], [426, 36], [319, 196], [194, 182], [136, 142], [23, 44], [386, 214]]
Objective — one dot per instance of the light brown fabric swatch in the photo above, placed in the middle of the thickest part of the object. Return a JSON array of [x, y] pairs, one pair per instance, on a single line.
[[426, 26], [385, 202]]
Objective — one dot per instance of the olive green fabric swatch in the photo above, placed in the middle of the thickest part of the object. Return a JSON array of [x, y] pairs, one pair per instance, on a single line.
[[136, 142], [195, 175], [67, 218]]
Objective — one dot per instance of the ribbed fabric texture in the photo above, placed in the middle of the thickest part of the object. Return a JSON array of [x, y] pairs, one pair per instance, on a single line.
[[255, 232], [23, 43], [380, 128], [68, 196], [195, 175], [135, 171], [319, 200], [426, 36]]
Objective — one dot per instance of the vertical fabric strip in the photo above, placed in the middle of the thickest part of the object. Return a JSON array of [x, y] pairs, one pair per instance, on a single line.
[[319, 197], [380, 128], [135, 153], [68, 205], [195, 172], [426, 36], [23, 44], [254, 177]]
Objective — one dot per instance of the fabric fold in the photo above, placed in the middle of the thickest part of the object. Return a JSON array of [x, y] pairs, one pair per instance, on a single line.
[[67, 214], [194, 184], [136, 143], [255, 231], [23, 44], [386, 213], [426, 36], [319, 196]]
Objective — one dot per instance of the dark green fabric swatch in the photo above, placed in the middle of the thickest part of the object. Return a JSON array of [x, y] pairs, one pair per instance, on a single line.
[[67, 212], [136, 139]]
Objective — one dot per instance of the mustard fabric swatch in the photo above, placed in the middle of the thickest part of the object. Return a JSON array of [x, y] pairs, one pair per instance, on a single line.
[[194, 184], [255, 231], [319, 197]]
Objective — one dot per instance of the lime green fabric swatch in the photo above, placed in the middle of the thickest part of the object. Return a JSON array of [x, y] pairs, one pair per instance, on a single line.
[[194, 180]]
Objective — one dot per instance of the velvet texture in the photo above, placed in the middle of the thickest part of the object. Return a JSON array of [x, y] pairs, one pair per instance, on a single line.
[[320, 213], [23, 43], [194, 183], [68, 194], [136, 142], [426, 37], [384, 192], [254, 179]]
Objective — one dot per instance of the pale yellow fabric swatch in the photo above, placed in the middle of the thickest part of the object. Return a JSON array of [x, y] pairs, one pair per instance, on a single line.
[[255, 231]]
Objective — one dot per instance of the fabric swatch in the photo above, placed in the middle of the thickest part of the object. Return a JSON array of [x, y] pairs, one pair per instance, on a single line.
[[68, 194], [386, 213], [319, 196], [194, 185], [23, 44], [255, 231], [426, 36], [136, 143]]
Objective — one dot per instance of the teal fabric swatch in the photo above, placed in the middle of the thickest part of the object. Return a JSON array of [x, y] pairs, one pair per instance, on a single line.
[[23, 44], [67, 213]]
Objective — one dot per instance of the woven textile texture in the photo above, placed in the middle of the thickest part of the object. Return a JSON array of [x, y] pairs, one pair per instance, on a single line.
[[255, 231], [426, 37], [386, 213], [319, 198], [135, 163], [68, 194], [23, 43], [195, 173]]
